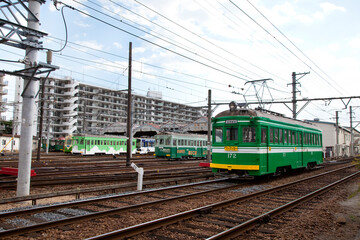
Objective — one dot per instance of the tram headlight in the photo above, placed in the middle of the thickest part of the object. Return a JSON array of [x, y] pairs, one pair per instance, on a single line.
[[233, 106]]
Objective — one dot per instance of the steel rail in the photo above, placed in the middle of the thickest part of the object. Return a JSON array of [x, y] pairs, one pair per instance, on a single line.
[[241, 228], [96, 189], [155, 224], [76, 219], [105, 177]]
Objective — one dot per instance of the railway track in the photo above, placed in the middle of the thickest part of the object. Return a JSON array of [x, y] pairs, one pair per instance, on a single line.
[[231, 218], [100, 176], [189, 206], [11, 221]]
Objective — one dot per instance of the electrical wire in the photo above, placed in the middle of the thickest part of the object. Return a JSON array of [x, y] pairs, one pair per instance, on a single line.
[[293, 44], [161, 46]]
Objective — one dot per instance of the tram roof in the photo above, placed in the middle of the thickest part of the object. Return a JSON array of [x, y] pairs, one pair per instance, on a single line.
[[99, 136], [266, 114], [180, 134]]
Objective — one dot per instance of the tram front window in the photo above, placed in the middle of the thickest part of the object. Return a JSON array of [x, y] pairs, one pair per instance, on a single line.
[[231, 134], [249, 134], [218, 135]]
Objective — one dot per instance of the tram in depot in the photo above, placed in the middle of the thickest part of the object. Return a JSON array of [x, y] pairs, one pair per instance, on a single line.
[[258, 142], [55, 144], [145, 145], [93, 144], [180, 145]]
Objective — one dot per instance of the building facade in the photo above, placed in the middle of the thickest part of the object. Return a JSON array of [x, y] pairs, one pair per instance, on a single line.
[[3, 93], [330, 147], [72, 107]]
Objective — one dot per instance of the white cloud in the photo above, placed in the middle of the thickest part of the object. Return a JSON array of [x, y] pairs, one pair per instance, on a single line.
[[90, 44], [329, 8], [118, 45], [355, 42], [139, 50]]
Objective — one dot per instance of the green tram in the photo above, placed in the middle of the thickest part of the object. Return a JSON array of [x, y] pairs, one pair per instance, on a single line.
[[258, 142], [93, 144], [55, 144], [180, 146]]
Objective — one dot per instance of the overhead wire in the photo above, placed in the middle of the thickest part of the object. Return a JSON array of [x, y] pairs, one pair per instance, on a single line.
[[71, 58], [206, 80], [161, 46], [170, 31], [282, 44], [199, 36], [293, 43]]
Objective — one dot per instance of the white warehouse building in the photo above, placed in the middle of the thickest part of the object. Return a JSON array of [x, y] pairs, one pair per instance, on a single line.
[[330, 148]]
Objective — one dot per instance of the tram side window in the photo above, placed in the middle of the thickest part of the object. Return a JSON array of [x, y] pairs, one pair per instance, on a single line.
[[317, 139], [280, 135], [263, 135], [231, 134], [81, 141], [87, 142], [174, 142], [271, 135], [293, 137], [218, 135], [289, 139], [276, 135], [167, 141], [161, 142], [249, 134]]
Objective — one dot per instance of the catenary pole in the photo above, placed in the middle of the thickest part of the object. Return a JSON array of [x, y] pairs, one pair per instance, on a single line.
[[129, 119], [294, 95], [337, 152], [41, 119], [352, 134], [209, 128], [28, 109]]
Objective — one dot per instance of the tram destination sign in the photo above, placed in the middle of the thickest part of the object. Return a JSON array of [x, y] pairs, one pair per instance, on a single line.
[[230, 121]]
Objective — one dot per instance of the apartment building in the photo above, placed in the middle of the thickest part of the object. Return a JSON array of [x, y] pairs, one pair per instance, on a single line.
[[3, 92], [73, 107]]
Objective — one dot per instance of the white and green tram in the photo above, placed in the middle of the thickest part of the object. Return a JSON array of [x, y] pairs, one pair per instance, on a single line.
[[93, 144]]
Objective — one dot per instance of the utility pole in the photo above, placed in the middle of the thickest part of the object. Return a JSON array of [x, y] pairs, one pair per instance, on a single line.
[[14, 124], [294, 91], [294, 94], [28, 110], [41, 118], [129, 119], [209, 128], [352, 134], [337, 147]]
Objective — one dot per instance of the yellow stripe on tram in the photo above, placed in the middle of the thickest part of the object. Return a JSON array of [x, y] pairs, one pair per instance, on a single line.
[[235, 167]]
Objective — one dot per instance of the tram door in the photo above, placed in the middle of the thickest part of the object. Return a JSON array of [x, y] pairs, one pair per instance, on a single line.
[[265, 145]]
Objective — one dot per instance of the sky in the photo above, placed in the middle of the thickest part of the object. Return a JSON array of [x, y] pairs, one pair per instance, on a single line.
[[183, 48]]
